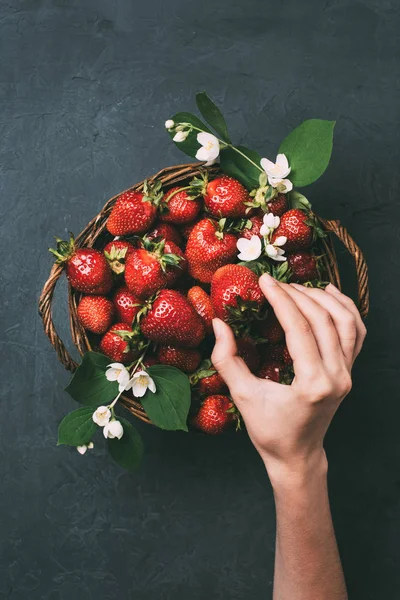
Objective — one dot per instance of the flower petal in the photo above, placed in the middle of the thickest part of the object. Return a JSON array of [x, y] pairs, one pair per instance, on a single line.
[[152, 385], [205, 138], [283, 164], [271, 250], [280, 241], [242, 244], [82, 449], [112, 374], [267, 165], [138, 389], [202, 154]]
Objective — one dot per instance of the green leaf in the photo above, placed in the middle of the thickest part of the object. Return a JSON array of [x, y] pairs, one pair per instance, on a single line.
[[243, 164], [77, 428], [190, 145], [297, 200], [212, 115], [168, 407], [128, 451], [308, 149], [89, 384]]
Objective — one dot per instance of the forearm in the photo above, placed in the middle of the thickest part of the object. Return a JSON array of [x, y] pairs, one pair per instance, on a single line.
[[307, 562]]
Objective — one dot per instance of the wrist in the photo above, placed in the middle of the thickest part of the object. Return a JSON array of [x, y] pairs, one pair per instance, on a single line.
[[297, 472]]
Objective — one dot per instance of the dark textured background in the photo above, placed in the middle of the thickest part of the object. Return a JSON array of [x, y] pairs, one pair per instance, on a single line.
[[85, 88]]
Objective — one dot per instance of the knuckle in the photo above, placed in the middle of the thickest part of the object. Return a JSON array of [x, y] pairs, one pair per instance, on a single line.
[[350, 323], [303, 326], [345, 385]]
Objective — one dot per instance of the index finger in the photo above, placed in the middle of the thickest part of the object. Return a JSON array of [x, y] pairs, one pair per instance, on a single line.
[[299, 337]]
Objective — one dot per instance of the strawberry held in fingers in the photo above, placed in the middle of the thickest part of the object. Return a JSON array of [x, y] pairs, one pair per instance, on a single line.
[[294, 225], [96, 313], [235, 290], [209, 248], [213, 416], [202, 304], [134, 212], [117, 252], [226, 197], [303, 266], [185, 359], [179, 207], [120, 344], [171, 319], [126, 305], [87, 269]]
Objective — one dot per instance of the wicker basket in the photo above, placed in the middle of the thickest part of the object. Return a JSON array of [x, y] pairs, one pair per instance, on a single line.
[[96, 232]]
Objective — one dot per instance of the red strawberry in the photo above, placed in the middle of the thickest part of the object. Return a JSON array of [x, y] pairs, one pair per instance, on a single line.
[[303, 266], [278, 205], [248, 351], [254, 229], [96, 313], [212, 416], [186, 230], [135, 212], [124, 303], [117, 252], [294, 227], [209, 248], [271, 329], [153, 267], [213, 384], [230, 283], [180, 207], [87, 269], [185, 359], [116, 347], [165, 231], [273, 353], [150, 361], [172, 320], [272, 370], [226, 197], [202, 304]]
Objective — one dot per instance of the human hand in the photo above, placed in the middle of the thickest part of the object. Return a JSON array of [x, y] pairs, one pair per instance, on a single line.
[[324, 334]]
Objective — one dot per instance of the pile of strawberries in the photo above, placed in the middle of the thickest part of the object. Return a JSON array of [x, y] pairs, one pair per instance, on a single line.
[[170, 267]]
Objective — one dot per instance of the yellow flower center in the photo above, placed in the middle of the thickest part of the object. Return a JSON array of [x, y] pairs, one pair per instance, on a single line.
[[142, 380]]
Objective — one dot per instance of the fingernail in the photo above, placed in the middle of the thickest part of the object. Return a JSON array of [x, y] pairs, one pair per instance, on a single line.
[[297, 286], [267, 279], [333, 288], [217, 327]]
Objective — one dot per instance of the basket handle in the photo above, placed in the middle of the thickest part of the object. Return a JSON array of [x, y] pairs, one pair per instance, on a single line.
[[45, 302], [360, 264]]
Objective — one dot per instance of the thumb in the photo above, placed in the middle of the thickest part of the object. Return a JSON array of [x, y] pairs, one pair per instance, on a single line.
[[231, 367]]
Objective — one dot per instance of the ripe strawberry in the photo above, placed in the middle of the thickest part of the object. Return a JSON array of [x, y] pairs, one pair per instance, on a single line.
[[87, 269], [235, 289], [185, 359], [213, 384], [179, 206], [186, 230], [96, 313], [272, 370], [117, 252], [294, 227], [279, 205], [212, 416], [303, 266], [273, 353], [124, 303], [150, 361], [226, 197], [248, 351], [119, 348], [153, 267], [271, 329], [254, 229], [171, 319], [135, 212], [209, 248], [167, 232], [202, 304]]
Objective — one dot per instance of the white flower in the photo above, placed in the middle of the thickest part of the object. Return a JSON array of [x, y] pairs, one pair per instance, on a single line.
[[209, 150], [283, 185], [118, 372], [180, 136], [82, 449], [113, 429], [101, 416], [274, 251], [277, 170], [249, 249], [140, 382], [169, 124], [270, 223]]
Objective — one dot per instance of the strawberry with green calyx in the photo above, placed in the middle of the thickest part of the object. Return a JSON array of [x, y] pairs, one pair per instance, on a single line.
[[87, 269], [117, 252], [165, 231], [262, 195], [126, 305], [252, 227], [208, 248], [303, 266], [152, 267], [215, 415], [185, 359], [270, 329], [300, 228], [122, 344], [212, 384], [181, 205], [134, 212], [235, 294], [169, 318], [202, 304], [226, 197], [96, 313]]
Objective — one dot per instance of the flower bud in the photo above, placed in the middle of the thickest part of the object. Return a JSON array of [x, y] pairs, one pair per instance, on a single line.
[[169, 124], [180, 136], [113, 429]]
